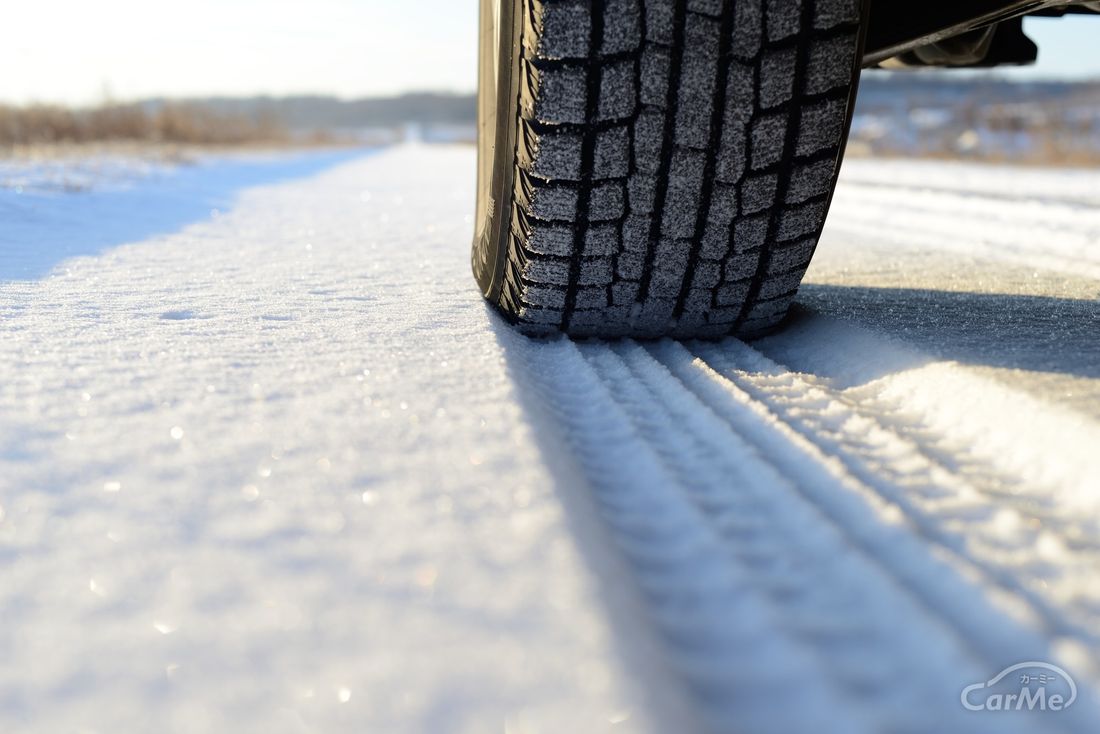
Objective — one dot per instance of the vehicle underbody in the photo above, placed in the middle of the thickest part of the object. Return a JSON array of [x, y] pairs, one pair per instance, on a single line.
[[954, 33]]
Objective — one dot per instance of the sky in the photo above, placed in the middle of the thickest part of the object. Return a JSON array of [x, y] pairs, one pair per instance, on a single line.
[[81, 51]]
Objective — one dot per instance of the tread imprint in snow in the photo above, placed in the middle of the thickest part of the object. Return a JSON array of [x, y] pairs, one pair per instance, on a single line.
[[674, 161]]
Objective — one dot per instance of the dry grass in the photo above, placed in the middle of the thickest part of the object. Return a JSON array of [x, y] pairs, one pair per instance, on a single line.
[[1062, 133], [172, 123], [1046, 154]]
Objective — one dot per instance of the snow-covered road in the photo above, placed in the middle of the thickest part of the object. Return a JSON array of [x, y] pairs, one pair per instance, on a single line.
[[276, 467]]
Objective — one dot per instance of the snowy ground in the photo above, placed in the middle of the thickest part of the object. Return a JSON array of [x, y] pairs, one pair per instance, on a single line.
[[276, 467]]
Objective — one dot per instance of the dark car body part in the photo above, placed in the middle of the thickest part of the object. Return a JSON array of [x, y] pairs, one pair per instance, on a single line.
[[956, 32]]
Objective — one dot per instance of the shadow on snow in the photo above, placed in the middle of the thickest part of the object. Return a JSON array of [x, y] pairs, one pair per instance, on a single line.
[[1005, 330]]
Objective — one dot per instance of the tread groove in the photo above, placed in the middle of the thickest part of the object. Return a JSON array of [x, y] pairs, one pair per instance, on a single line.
[[717, 114], [789, 145], [672, 104], [593, 79]]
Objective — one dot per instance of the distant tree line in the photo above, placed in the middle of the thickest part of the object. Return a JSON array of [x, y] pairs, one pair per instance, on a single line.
[[228, 121], [175, 122], [332, 113], [939, 115]]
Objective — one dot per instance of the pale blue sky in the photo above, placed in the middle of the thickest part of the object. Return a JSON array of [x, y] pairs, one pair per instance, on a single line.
[[1069, 47], [72, 50]]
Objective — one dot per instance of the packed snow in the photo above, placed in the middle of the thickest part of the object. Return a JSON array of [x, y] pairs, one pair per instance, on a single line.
[[268, 463]]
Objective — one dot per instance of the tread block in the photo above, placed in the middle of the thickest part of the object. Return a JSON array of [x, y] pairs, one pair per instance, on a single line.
[[641, 190], [544, 297], [654, 70], [748, 28], [832, 13], [758, 193], [606, 202], [672, 254], [810, 180], [742, 268], [535, 315], [660, 21], [556, 94], [591, 298], [716, 242], [731, 294], [708, 274], [666, 281], [624, 292], [757, 328], [750, 232], [697, 301], [685, 185], [610, 321], [601, 239], [732, 152], [712, 8], [789, 257], [551, 239], [723, 316], [769, 310], [618, 95], [830, 63], [612, 154], [559, 29], [552, 154], [649, 130], [777, 285], [690, 322], [596, 271], [622, 29], [821, 126], [777, 77], [555, 272], [768, 135], [740, 94], [801, 220], [630, 265], [698, 72], [705, 330], [636, 233], [547, 202], [654, 317], [784, 19], [723, 205]]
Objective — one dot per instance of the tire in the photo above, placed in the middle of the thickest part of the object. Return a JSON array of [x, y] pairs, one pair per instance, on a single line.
[[658, 168]]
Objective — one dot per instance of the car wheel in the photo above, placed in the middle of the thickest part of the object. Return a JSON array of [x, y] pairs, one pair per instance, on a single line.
[[657, 167]]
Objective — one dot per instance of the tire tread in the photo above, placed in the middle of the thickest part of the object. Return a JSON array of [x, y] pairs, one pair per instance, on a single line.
[[674, 162]]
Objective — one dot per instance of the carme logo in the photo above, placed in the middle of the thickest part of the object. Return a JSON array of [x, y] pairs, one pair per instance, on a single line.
[[1030, 686]]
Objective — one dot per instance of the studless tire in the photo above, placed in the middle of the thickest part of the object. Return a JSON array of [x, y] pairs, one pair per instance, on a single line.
[[658, 167]]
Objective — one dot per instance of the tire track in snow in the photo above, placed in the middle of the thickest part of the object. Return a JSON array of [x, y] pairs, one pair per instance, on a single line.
[[1059, 230], [1035, 213], [983, 523], [1024, 233], [681, 564], [1077, 200], [827, 480], [1036, 238], [756, 554], [1038, 219], [1013, 183]]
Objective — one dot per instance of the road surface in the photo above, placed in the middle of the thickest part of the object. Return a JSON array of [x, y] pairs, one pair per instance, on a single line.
[[269, 464]]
